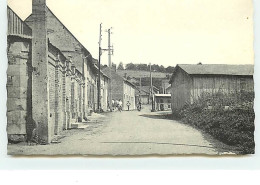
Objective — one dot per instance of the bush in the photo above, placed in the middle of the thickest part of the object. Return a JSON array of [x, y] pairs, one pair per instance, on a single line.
[[229, 118]]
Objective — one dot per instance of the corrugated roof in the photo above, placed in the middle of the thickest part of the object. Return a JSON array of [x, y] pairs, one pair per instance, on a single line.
[[217, 69]]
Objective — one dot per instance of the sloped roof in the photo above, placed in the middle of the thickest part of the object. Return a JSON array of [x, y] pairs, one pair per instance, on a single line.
[[141, 74], [217, 69], [16, 26], [143, 91], [63, 39], [106, 71]]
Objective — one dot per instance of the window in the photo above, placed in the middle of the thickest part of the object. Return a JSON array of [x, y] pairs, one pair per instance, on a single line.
[[10, 80]]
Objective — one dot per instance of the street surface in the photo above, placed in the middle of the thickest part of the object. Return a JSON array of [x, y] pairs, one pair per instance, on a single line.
[[128, 133]]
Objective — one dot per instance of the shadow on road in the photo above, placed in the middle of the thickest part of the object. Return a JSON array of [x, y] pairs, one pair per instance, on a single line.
[[158, 116]]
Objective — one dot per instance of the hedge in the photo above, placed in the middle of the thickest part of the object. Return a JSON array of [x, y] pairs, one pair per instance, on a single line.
[[228, 118]]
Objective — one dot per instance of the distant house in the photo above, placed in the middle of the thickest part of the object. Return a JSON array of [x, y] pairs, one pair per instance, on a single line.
[[121, 88], [142, 95], [188, 82], [148, 89], [162, 102]]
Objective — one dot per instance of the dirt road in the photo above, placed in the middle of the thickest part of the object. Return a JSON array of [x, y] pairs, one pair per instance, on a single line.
[[129, 133]]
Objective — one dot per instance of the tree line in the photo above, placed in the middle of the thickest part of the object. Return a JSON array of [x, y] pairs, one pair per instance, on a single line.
[[145, 67]]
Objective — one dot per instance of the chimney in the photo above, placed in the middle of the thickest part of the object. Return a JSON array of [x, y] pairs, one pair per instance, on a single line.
[[40, 76]]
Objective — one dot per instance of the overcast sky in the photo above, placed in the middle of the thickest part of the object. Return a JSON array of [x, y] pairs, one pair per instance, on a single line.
[[164, 32]]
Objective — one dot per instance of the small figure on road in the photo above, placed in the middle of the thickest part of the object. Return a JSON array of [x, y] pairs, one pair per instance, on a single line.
[[120, 105], [113, 104], [139, 107], [128, 105]]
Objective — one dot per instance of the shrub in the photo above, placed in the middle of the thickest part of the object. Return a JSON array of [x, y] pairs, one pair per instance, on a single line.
[[233, 126]]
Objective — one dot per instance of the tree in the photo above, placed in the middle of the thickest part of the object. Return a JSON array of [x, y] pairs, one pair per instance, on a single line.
[[155, 67], [142, 67], [120, 66], [162, 69], [169, 69], [130, 66]]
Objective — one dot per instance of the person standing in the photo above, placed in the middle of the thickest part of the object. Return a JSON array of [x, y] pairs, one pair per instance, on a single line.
[[113, 104], [139, 107], [120, 105], [128, 105]]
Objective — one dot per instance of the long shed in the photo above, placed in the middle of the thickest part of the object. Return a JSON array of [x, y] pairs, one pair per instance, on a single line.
[[189, 81]]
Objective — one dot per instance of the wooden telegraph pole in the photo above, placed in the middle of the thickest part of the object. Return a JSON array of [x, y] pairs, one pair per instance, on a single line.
[[110, 68], [110, 52], [99, 62], [151, 80], [140, 89]]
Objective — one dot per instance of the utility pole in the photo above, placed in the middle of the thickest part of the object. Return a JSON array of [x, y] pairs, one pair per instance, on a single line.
[[110, 52], [99, 62], [110, 67], [151, 80], [140, 94]]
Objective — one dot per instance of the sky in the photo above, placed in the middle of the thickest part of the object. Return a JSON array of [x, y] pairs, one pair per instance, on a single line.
[[164, 32]]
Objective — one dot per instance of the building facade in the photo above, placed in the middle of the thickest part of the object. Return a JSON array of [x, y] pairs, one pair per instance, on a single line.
[[188, 82], [121, 89], [142, 95], [52, 81], [162, 102]]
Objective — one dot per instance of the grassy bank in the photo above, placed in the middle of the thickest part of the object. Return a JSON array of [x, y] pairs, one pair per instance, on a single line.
[[228, 118]]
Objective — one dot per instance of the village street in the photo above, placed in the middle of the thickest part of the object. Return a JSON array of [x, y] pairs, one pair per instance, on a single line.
[[128, 133]]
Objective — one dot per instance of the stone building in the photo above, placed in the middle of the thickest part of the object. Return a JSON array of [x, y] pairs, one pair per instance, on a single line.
[[19, 77], [104, 92], [51, 76], [92, 78], [121, 89]]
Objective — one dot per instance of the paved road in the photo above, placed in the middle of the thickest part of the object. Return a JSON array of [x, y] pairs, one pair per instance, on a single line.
[[129, 133]]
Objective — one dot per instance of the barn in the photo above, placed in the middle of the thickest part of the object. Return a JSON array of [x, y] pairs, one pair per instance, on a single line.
[[189, 81]]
